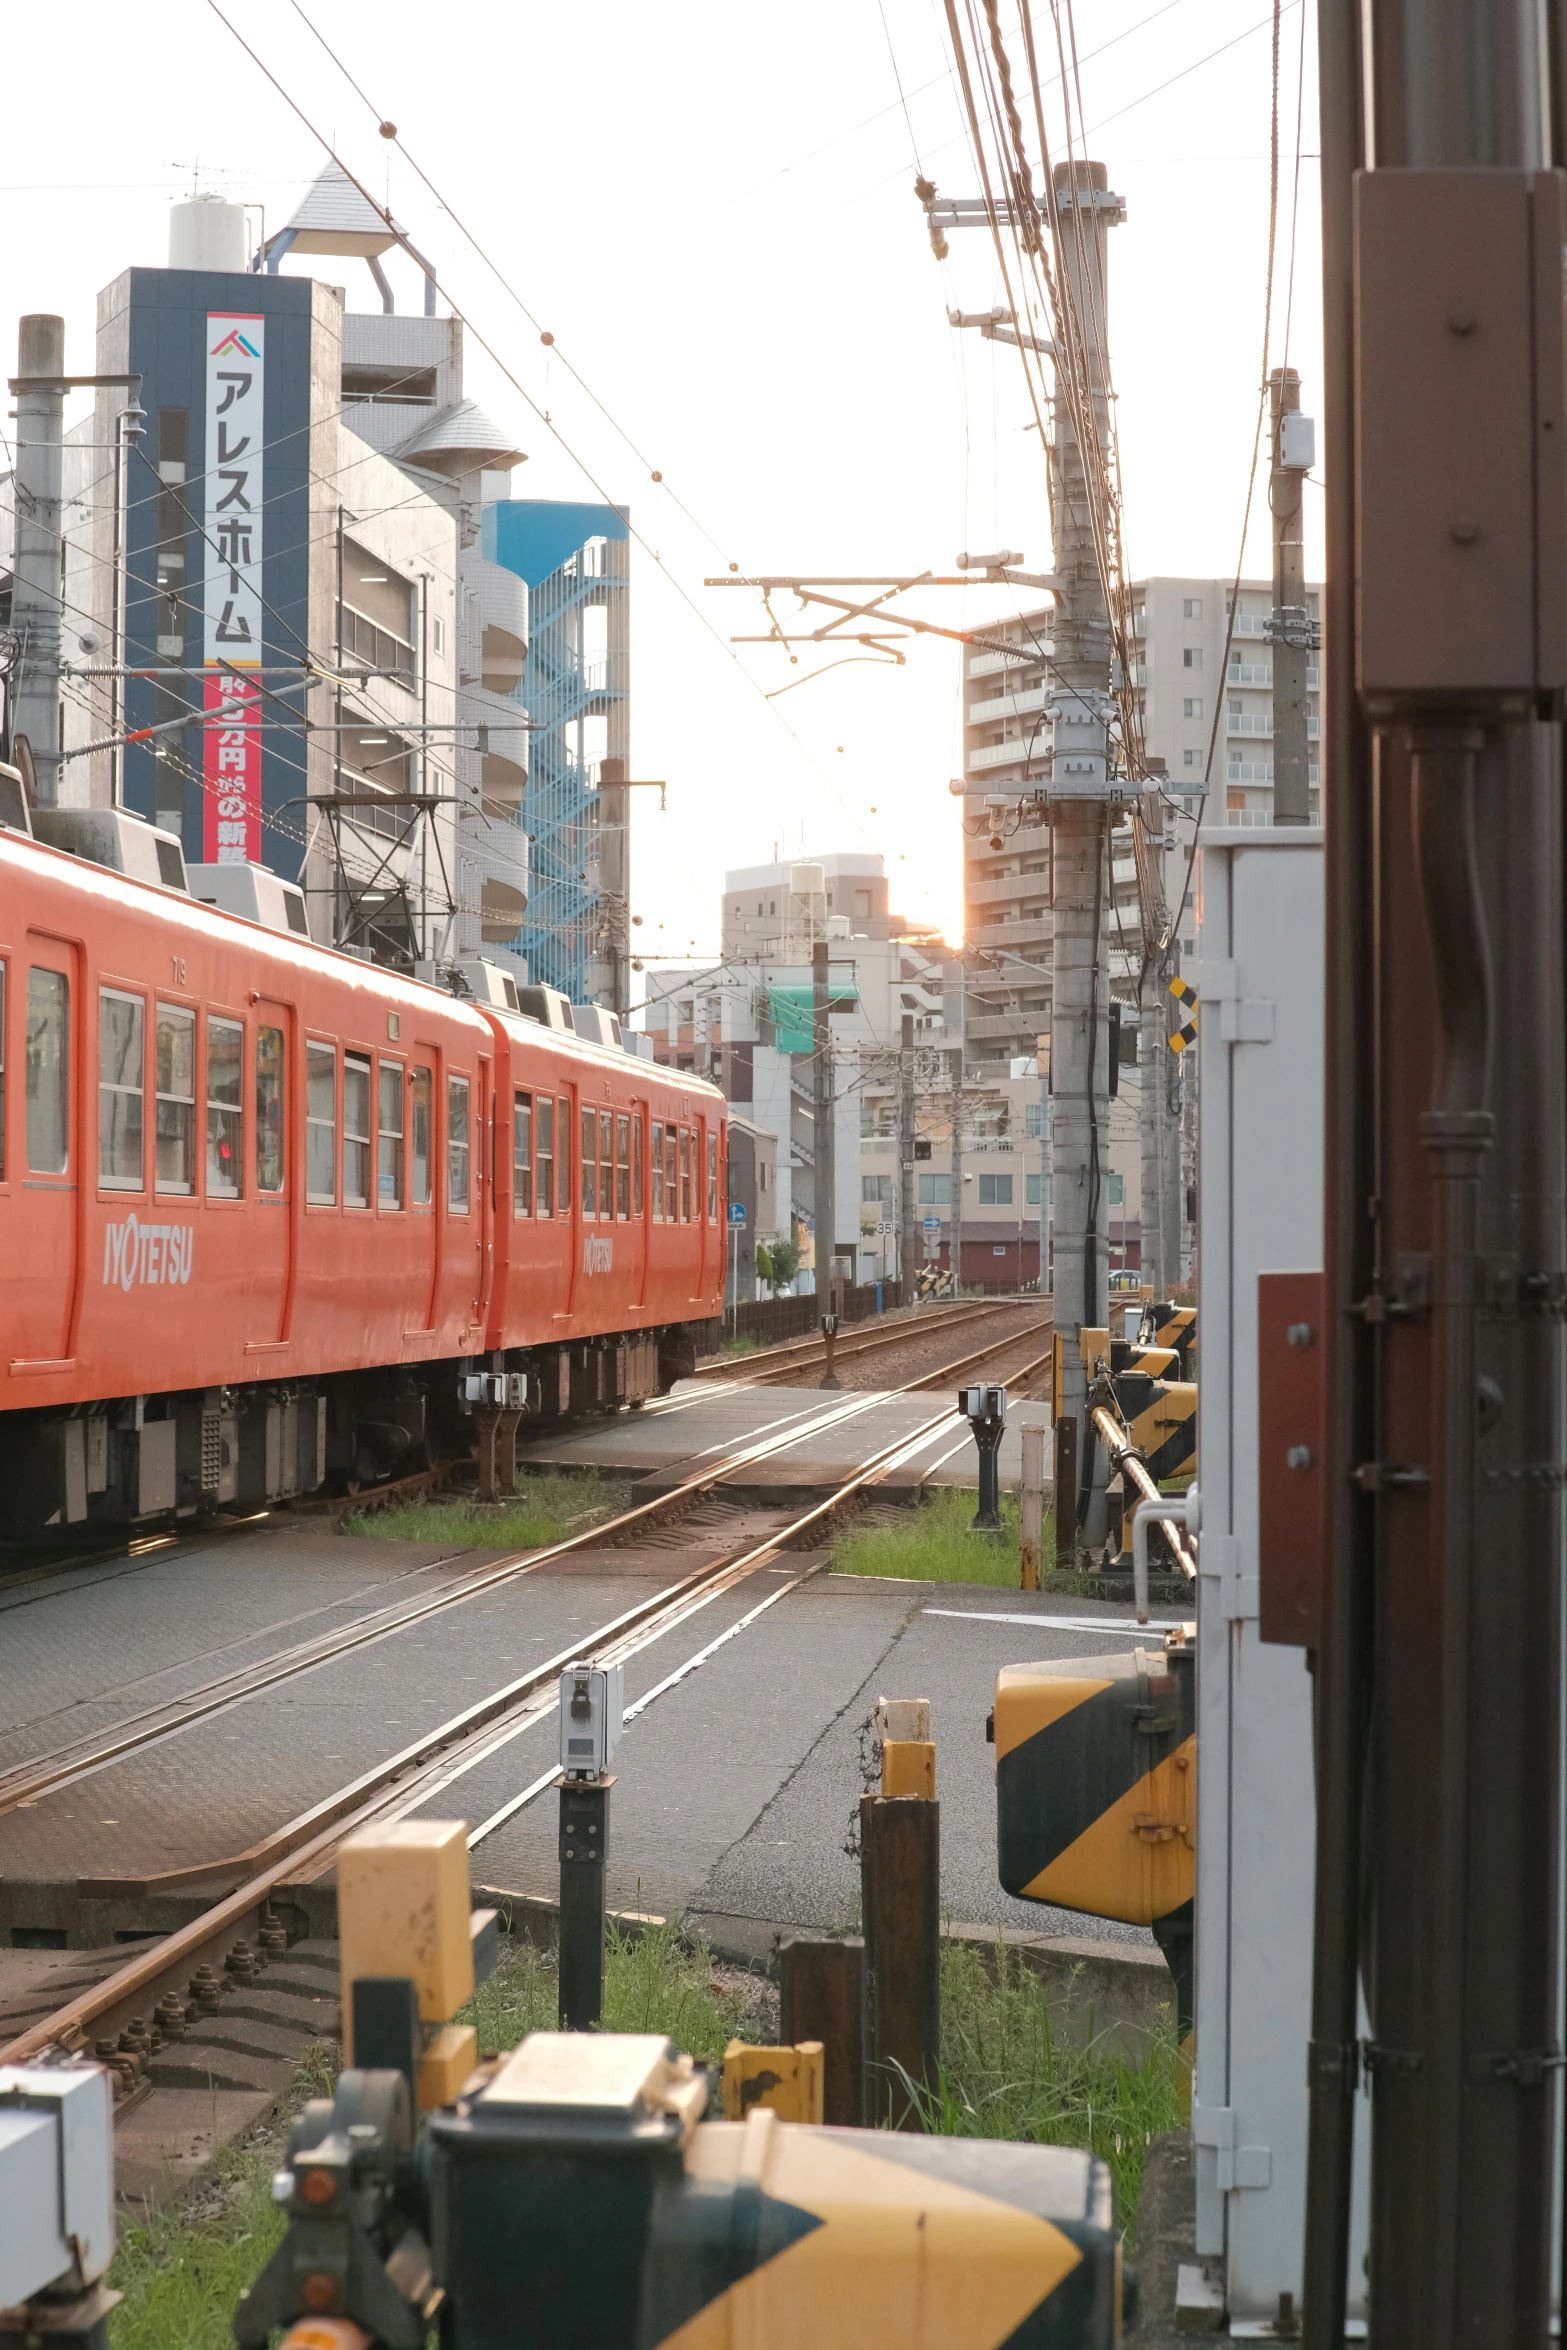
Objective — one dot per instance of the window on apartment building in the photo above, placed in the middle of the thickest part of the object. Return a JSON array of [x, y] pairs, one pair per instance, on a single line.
[[1191, 706], [1234, 707], [935, 1191], [1191, 657], [995, 1191], [1034, 1117], [1191, 758], [375, 623], [1117, 1193], [1191, 608], [1031, 1190], [876, 1189]]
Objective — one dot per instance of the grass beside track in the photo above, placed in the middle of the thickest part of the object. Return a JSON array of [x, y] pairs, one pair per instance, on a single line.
[[931, 1543], [547, 1508], [1007, 2072]]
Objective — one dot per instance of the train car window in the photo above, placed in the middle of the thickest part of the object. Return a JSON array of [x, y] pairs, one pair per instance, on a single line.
[[122, 1086], [712, 1178], [590, 1163], [48, 1070], [623, 1165], [606, 1165], [356, 1131], [174, 1063], [658, 1170], [636, 1165], [685, 1174], [321, 1123], [269, 1109], [522, 1154], [562, 1155], [457, 1146], [544, 1157], [389, 1138], [423, 1111], [225, 1107], [2, 1067], [671, 1179]]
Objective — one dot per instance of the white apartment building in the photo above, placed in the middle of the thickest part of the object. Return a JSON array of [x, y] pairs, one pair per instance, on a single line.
[[1183, 675]]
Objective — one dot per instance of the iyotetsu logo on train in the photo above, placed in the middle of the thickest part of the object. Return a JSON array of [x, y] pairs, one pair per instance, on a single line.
[[134, 1252], [598, 1255]]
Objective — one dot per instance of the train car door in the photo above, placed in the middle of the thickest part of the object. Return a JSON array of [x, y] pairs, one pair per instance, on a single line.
[[45, 1141], [274, 1178], [484, 1220]]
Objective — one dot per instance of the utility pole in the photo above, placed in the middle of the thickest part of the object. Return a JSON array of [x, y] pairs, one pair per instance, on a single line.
[[1081, 212], [1292, 438], [1437, 1692], [823, 1108], [37, 588], [1046, 1147], [614, 875], [908, 1222], [955, 1178]]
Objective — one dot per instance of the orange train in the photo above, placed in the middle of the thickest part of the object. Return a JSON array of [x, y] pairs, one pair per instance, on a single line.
[[268, 1210]]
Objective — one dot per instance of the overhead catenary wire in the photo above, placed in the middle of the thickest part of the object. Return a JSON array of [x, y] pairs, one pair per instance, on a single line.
[[550, 426]]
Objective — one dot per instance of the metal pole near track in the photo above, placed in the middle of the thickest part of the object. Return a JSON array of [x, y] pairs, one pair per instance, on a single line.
[[1438, 1698]]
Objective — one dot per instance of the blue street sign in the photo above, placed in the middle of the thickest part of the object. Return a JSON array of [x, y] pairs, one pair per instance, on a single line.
[[736, 1211], [933, 1223]]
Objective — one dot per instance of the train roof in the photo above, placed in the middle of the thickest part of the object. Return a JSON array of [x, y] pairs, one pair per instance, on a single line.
[[109, 888]]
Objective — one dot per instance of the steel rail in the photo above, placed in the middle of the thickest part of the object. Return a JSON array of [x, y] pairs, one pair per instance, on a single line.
[[59, 1768], [305, 1846], [27, 1785], [800, 1353]]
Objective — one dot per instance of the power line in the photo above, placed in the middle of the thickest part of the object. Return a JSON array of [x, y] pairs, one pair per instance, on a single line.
[[490, 351]]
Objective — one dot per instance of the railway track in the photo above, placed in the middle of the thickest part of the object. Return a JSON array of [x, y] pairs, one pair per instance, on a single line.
[[304, 1849], [775, 1365]]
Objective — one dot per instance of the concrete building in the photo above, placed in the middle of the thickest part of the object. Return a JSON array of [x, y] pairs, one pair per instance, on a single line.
[[287, 528], [753, 1189], [1179, 628], [747, 1022]]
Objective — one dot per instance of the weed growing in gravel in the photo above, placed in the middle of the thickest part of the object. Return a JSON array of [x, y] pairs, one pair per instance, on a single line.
[[931, 1543], [546, 1508], [657, 1981], [1008, 2072]]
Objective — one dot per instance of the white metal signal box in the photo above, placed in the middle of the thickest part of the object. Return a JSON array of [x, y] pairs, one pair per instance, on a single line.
[[56, 2177], [592, 1704], [1260, 995]]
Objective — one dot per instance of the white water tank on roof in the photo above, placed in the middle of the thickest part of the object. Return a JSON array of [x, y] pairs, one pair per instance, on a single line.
[[207, 232], [807, 881]]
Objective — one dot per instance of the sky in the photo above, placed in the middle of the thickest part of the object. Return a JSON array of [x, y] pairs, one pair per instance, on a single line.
[[710, 208]]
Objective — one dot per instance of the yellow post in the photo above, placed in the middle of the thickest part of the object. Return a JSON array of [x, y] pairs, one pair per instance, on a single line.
[[791, 2081]]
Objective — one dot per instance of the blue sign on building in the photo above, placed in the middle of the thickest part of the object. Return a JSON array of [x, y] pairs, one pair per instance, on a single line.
[[217, 501]]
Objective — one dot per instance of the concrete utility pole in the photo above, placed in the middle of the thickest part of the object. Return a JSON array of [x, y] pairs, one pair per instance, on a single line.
[[1153, 1052], [955, 1178], [1046, 1146], [1082, 213], [36, 592], [1438, 1668], [823, 1110], [908, 1221], [1291, 630], [614, 873]]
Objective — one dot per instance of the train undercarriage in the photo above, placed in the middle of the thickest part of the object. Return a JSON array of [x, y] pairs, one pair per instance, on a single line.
[[135, 1462]]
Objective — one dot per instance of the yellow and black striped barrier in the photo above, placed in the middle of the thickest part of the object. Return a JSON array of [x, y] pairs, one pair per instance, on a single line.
[[1096, 1796], [1182, 1038], [1165, 1324], [1160, 1417]]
